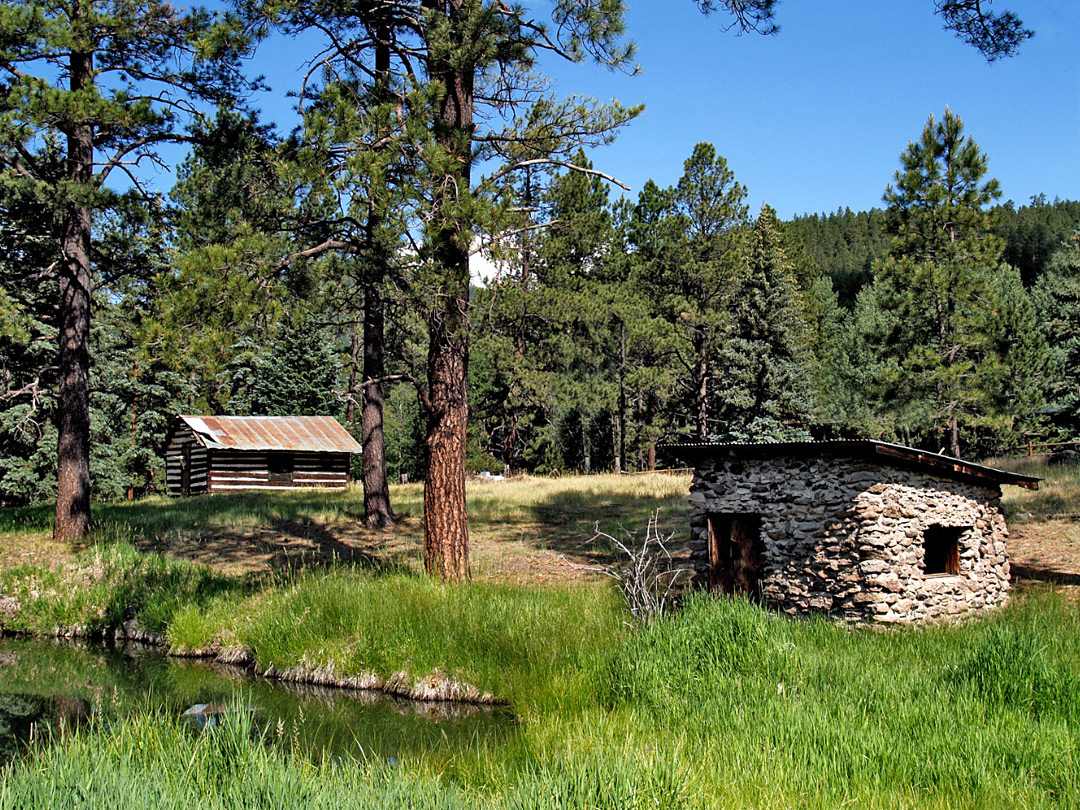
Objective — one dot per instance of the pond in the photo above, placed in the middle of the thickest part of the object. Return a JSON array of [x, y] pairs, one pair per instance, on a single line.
[[46, 683]]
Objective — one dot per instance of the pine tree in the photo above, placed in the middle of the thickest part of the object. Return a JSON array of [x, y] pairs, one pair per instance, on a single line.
[[689, 238], [1057, 301], [767, 367], [941, 286], [90, 88]]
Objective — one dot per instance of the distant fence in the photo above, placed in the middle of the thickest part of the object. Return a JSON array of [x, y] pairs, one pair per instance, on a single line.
[[1030, 447], [666, 471]]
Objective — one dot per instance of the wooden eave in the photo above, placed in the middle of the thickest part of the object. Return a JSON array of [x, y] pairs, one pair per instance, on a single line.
[[895, 454]]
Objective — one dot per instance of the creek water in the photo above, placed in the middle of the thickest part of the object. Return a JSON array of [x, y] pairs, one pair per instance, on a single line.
[[46, 683]]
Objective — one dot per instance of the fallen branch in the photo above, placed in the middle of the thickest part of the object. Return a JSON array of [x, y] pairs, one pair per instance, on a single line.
[[646, 577]]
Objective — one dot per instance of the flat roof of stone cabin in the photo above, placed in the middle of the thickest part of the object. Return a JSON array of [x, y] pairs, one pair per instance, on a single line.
[[869, 449]]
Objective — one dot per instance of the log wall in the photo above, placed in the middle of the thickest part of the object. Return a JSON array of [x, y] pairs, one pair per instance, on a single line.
[[234, 471], [174, 465]]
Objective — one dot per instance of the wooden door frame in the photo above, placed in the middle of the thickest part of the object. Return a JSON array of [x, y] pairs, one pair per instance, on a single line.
[[723, 527]]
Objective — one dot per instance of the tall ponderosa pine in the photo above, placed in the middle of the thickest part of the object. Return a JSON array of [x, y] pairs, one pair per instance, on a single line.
[[689, 242], [99, 84], [227, 289], [942, 289], [467, 92]]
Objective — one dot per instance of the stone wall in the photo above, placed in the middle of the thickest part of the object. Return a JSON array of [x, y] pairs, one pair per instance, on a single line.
[[845, 536]]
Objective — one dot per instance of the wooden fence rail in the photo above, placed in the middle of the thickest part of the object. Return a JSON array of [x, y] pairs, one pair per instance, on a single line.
[[1030, 446]]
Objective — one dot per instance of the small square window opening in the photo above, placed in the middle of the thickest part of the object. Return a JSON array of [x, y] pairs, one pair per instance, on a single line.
[[941, 549]]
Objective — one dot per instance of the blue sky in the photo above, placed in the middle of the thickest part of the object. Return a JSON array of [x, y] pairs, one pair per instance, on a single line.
[[815, 118]]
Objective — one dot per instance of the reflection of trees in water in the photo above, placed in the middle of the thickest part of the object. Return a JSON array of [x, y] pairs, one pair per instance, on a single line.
[[49, 683], [23, 716]]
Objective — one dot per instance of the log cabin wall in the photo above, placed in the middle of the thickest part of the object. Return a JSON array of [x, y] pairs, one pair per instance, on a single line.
[[236, 471], [185, 465]]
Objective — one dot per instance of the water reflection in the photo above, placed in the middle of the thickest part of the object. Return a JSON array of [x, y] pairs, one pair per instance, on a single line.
[[47, 684]]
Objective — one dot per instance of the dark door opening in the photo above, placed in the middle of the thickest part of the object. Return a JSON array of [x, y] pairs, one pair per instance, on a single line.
[[736, 554], [185, 471], [280, 468]]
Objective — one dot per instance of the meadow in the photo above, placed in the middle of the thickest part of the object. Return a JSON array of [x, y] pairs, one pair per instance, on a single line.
[[719, 704]]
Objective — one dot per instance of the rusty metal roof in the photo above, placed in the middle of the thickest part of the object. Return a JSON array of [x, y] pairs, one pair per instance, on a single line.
[[898, 454], [314, 434]]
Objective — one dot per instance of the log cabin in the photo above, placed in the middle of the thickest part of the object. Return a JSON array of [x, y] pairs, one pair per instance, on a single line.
[[208, 455]]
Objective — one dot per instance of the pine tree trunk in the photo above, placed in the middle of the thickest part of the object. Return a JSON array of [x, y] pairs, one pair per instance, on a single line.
[[620, 426], [73, 322], [377, 511], [352, 387], [446, 531], [701, 388]]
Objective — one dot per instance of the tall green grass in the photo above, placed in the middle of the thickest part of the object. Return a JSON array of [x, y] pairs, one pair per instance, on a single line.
[[986, 714], [105, 585], [153, 762], [721, 704], [537, 647]]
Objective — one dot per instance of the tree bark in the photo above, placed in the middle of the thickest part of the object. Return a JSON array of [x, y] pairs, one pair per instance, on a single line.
[[377, 511], [701, 388], [446, 531], [352, 387], [73, 340], [620, 428]]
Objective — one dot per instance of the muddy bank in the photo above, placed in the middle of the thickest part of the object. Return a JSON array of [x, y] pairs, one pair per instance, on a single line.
[[437, 686]]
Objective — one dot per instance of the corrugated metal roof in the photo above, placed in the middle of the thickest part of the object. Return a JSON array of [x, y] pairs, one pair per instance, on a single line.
[[319, 434], [931, 462]]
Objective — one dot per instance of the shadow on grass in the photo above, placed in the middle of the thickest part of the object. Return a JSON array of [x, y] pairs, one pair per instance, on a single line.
[[1042, 574], [575, 521], [251, 534]]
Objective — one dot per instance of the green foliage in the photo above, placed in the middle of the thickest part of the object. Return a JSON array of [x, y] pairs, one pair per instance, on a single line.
[[403, 428], [844, 245], [1057, 302], [767, 368], [944, 344], [293, 374], [1034, 233]]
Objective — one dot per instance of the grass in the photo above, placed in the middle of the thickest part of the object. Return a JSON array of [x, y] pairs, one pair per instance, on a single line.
[[722, 704], [1058, 493]]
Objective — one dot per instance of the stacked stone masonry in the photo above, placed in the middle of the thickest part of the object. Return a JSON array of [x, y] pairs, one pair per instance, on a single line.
[[846, 537]]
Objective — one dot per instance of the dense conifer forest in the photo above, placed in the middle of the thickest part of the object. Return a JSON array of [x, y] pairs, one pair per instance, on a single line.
[[326, 270], [622, 324]]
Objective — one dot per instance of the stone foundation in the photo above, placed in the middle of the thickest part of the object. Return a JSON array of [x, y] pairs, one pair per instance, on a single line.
[[847, 537]]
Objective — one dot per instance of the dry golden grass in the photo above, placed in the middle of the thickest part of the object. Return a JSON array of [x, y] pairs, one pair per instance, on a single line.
[[1044, 525], [522, 530]]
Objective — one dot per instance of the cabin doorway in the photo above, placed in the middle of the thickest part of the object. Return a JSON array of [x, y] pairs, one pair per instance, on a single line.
[[185, 470], [736, 554]]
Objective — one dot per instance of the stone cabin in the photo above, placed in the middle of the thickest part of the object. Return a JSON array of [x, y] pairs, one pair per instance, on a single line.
[[862, 530]]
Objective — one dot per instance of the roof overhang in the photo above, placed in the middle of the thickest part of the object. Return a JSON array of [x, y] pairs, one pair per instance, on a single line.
[[882, 452], [311, 434]]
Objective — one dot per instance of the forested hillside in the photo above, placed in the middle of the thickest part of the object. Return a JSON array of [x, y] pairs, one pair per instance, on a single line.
[[844, 245]]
